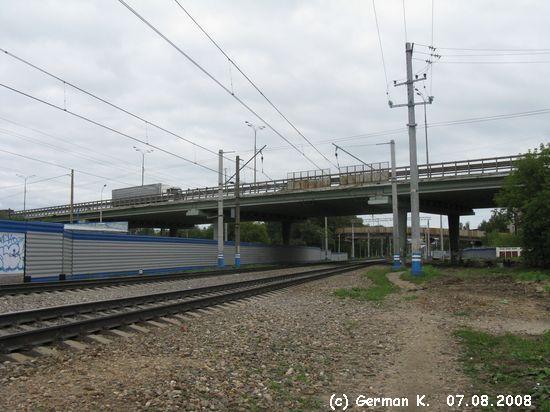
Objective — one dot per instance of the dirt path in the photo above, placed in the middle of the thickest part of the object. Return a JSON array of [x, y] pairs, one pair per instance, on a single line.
[[394, 278], [425, 362]]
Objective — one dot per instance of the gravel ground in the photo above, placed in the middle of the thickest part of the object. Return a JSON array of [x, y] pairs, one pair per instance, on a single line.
[[285, 351], [67, 297]]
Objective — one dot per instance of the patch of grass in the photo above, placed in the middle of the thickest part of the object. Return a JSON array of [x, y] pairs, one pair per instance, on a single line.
[[508, 364], [461, 313], [382, 287], [517, 273], [428, 273]]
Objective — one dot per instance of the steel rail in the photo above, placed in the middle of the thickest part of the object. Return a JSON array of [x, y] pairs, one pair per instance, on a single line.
[[39, 287], [24, 339], [14, 318]]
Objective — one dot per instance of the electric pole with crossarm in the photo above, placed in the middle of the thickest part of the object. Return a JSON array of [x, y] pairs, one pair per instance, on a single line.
[[416, 267]]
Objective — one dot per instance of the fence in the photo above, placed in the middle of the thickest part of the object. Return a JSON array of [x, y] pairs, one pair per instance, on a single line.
[[44, 251]]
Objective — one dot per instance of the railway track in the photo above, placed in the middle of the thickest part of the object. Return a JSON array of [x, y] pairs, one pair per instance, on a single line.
[[39, 287], [25, 329]]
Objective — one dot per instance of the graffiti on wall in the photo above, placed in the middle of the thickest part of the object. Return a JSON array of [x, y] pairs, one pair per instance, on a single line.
[[12, 253]]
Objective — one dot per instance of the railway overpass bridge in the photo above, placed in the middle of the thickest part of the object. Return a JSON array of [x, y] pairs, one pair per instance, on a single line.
[[452, 188]]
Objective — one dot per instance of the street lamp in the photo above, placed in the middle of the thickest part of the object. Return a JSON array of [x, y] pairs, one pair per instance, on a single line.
[[25, 178], [426, 102], [143, 153], [255, 128], [101, 204]]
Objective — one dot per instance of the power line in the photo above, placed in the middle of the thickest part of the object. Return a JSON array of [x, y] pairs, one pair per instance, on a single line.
[[104, 126], [215, 80], [65, 150], [435, 124], [482, 49], [381, 49], [496, 54], [492, 62], [36, 181], [77, 153], [107, 102], [232, 63], [61, 166]]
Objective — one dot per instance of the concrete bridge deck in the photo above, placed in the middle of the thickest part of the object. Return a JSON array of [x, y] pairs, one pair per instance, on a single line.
[[455, 188]]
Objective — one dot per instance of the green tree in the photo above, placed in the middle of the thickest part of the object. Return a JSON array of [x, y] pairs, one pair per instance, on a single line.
[[498, 222], [526, 195], [255, 232]]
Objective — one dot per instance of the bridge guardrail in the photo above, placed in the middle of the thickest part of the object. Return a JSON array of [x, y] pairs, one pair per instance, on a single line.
[[476, 167]]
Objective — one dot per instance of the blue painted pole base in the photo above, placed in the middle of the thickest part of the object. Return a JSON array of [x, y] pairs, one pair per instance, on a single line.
[[396, 262], [237, 260], [221, 262], [416, 267]]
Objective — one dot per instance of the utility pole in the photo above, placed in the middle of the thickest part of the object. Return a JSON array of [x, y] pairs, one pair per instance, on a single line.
[[416, 268], [368, 243], [326, 239], [255, 128], [352, 241], [395, 207], [221, 262], [237, 214], [72, 197], [143, 153], [441, 232], [101, 204], [428, 242], [425, 129], [25, 178]]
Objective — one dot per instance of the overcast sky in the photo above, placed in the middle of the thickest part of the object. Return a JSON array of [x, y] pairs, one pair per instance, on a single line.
[[318, 61]]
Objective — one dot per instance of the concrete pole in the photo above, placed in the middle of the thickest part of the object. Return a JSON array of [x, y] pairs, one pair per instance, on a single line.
[[237, 214], [221, 262], [428, 242], [352, 241], [25, 198], [71, 213], [426, 135], [326, 239], [403, 235], [416, 267], [395, 209], [101, 204], [142, 168], [255, 151], [338, 242], [368, 244], [442, 248]]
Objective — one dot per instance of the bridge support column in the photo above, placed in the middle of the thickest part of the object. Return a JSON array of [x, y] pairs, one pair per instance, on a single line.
[[454, 233], [286, 228], [402, 230]]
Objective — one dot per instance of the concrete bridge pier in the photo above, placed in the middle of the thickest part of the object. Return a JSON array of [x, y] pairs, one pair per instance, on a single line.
[[454, 233], [286, 228]]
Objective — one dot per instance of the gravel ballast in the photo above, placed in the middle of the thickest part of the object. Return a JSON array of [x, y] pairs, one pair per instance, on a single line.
[[289, 350], [16, 303]]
